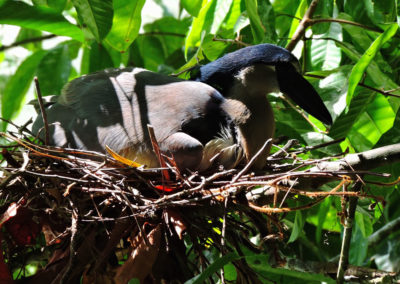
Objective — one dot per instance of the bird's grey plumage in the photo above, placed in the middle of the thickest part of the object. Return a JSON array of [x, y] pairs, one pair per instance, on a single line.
[[114, 107]]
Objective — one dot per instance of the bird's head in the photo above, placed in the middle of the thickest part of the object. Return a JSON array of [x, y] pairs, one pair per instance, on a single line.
[[261, 69]]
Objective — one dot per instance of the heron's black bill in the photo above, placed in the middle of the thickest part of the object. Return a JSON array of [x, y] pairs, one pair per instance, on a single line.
[[301, 92]]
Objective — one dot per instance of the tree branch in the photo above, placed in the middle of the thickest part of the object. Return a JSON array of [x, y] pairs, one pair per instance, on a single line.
[[25, 41], [383, 92], [304, 23], [384, 232]]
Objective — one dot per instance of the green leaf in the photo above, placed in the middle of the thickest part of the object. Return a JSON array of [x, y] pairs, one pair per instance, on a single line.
[[38, 18], [362, 64], [97, 15], [358, 247], [260, 264], [297, 226], [325, 55], [192, 6], [372, 124], [57, 5], [53, 71], [95, 58], [126, 23], [16, 88], [257, 28], [214, 267], [301, 9], [209, 20]]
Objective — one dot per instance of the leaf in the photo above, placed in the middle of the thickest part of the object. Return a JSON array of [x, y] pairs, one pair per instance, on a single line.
[[301, 9], [201, 25], [54, 69], [325, 55], [372, 124], [284, 275], [95, 58], [362, 64], [141, 259], [297, 227], [16, 88], [192, 6], [121, 159], [38, 18], [97, 15], [358, 247], [257, 28], [57, 5], [213, 267], [126, 23]]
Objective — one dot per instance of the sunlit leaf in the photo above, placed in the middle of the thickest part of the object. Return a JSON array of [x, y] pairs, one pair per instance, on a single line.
[[57, 5], [126, 23], [372, 124], [200, 25], [38, 18], [257, 28], [192, 6], [325, 55], [362, 64], [97, 15]]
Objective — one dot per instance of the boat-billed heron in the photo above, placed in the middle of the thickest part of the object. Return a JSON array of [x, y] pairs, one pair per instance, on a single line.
[[192, 121]]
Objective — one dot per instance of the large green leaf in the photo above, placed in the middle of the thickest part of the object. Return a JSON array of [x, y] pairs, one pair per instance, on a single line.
[[365, 60], [257, 28], [209, 20], [38, 18], [192, 6], [57, 5], [126, 23], [18, 85], [97, 15], [372, 124], [95, 57], [381, 11], [54, 69], [325, 55]]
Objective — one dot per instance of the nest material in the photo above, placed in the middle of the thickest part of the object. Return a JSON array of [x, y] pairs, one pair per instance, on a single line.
[[96, 213]]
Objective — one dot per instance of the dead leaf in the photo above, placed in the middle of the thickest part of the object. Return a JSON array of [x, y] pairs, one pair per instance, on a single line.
[[121, 159], [176, 220], [141, 259]]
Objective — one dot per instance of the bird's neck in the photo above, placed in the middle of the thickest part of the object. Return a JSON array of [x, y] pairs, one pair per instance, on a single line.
[[259, 126]]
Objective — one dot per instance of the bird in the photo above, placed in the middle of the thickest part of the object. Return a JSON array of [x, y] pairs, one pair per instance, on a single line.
[[219, 117], [247, 75]]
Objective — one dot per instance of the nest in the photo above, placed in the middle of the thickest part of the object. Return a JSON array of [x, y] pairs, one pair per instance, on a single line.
[[84, 215]]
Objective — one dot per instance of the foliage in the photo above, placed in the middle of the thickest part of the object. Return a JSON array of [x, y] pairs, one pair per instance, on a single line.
[[350, 54]]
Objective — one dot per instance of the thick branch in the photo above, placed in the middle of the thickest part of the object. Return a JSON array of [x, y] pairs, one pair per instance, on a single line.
[[301, 29], [384, 232], [367, 160]]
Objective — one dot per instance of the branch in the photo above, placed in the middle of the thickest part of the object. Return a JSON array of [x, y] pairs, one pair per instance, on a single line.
[[301, 29], [367, 160], [383, 92], [384, 232], [348, 229], [341, 21], [25, 41]]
